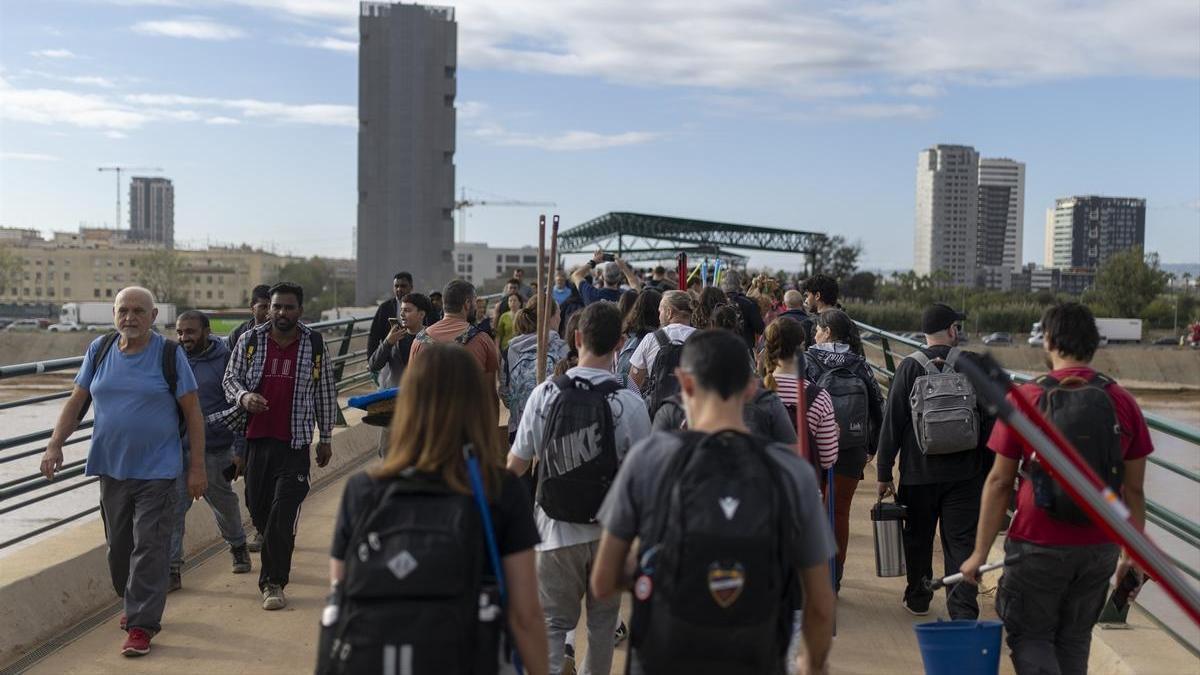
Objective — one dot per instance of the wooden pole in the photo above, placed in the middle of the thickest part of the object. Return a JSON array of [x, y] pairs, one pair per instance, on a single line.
[[549, 285], [540, 362]]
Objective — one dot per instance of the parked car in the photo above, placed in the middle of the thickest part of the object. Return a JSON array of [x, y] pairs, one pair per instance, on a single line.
[[64, 328], [23, 325], [1167, 341], [997, 339]]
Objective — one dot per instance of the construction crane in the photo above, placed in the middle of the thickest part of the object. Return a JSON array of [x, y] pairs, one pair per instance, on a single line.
[[461, 206], [118, 170]]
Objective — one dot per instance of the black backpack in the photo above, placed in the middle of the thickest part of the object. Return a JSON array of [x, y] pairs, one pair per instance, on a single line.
[[578, 459], [169, 372], [413, 598], [715, 591], [662, 381], [1082, 410], [850, 404]]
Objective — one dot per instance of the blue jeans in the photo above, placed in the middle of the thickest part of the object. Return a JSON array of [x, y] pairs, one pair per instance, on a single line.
[[219, 496]]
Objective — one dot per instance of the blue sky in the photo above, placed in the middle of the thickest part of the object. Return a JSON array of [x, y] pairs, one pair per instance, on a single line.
[[773, 112]]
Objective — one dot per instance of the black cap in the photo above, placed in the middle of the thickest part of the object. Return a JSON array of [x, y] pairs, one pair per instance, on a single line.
[[938, 317]]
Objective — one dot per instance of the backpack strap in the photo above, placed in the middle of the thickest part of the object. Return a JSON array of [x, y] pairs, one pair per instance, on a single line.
[[660, 336], [318, 353], [467, 335], [423, 337], [106, 344], [564, 382], [170, 374], [955, 352], [923, 360]]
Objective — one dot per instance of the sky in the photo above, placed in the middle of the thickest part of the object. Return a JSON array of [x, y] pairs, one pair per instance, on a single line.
[[782, 113]]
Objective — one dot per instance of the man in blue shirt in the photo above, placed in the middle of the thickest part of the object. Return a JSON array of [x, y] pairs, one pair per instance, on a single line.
[[208, 358], [607, 285], [136, 453]]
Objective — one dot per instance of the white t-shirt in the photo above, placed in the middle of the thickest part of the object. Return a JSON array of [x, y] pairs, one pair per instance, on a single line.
[[647, 350], [631, 423]]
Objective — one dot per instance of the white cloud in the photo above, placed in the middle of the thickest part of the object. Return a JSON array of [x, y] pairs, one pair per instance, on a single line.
[[331, 43], [86, 80], [470, 110], [118, 135], [196, 28], [561, 142], [53, 53], [95, 111], [875, 111], [29, 156]]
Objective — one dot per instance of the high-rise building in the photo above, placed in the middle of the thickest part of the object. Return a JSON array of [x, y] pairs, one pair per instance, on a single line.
[[947, 214], [1048, 240], [1090, 229], [407, 58], [152, 210], [1001, 220]]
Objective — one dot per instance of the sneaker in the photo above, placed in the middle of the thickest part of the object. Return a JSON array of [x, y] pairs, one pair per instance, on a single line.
[[273, 597], [241, 559], [176, 581], [915, 611], [254, 543], [137, 643], [124, 623], [568, 659], [621, 634]]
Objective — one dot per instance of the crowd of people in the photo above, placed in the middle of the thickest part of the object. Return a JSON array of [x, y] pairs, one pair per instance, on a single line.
[[659, 455]]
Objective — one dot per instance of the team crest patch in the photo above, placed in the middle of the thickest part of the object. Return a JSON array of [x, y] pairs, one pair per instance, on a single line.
[[725, 583]]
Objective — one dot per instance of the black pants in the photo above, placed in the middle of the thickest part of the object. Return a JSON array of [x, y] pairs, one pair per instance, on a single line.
[[955, 505], [276, 484], [1049, 603]]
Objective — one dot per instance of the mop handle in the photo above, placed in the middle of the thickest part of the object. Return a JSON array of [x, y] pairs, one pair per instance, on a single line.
[[934, 584]]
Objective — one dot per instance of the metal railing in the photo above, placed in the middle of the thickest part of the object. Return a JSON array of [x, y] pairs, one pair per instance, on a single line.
[[340, 333], [1170, 521]]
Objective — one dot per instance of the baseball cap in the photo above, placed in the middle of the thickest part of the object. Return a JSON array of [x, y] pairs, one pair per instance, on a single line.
[[938, 317]]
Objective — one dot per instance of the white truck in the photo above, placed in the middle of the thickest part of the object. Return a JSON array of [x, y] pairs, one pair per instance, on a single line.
[[1111, 331], [100, 314]]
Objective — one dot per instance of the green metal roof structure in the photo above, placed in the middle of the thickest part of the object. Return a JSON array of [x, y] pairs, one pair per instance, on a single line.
[[651, 237]]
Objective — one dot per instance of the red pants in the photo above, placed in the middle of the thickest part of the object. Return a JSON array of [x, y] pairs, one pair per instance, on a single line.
[[843, 496]]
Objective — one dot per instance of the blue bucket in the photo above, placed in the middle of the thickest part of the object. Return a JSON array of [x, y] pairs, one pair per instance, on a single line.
[[960, 647]]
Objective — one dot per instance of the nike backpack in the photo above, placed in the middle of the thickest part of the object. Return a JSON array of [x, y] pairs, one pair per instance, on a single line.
[[578, 459]]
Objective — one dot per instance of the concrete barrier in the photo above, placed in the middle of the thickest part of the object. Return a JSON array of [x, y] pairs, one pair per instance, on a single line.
[[49, 587]]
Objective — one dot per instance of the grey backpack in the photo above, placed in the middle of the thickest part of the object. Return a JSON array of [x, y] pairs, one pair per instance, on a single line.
[[945, 419]]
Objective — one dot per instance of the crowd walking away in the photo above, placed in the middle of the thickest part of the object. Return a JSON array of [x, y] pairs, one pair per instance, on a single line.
[[675, 479]]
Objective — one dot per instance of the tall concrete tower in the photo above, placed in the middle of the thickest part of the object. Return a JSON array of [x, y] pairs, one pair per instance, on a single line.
[[407, 58], [152, 210], [1001, 222], [947, 214]]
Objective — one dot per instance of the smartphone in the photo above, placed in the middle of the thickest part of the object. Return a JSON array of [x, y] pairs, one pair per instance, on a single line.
[[608, 257], [393, 321]]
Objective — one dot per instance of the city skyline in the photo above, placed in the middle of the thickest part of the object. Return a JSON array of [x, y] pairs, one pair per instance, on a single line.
[[251, 112]]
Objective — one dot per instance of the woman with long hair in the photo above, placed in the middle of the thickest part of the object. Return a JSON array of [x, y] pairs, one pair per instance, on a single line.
[[710, 298], [640, 321], [443, 407], [835, 360], [784, 342]]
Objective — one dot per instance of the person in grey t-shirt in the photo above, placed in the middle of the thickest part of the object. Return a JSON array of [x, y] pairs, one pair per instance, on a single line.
[[568, 549], [714, 390]]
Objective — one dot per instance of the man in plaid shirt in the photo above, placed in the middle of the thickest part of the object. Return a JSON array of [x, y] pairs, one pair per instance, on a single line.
[[280, 383]]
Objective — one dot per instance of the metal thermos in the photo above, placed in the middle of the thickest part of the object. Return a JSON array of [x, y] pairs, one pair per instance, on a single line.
[[888, 522]]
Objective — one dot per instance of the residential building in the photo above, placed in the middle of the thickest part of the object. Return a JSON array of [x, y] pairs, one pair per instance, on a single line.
[[94, 264], [1090, 229], [407, 59], [481, 264], [1048, 240], [947, 213], [1001, 222], [152, 210]]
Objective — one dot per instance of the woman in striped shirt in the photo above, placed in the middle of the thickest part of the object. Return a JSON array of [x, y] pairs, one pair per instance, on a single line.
[[784, 341]]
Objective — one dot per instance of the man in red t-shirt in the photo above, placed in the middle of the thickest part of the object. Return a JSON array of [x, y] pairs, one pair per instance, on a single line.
[[1052, 598]]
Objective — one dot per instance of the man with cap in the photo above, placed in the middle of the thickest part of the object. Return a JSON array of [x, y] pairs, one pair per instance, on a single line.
[[938, 488]]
